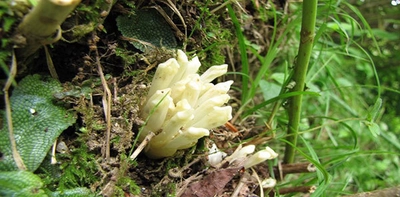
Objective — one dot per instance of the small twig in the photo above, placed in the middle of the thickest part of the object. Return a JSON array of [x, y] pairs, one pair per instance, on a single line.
[[184, 184], [53, 159], [223, 5], [302, 189], [176, 11], [168, 19], [142, 145], [106, 99], [284, 169], [259, 182], [50, 64], [177, 172], [298, 168], [17, 157], [144, 43], [245, 177]]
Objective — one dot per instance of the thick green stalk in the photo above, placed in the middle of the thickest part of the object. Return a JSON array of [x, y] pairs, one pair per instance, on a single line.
[[299, 76], [41, 24]]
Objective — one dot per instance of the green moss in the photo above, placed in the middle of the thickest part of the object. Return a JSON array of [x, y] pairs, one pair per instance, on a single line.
[[128, 57], [4, 56], [216, 39], [79, 31], [88, 17], [211, 35], [79, 168], [124, 182], [8, 16], [75, 94]]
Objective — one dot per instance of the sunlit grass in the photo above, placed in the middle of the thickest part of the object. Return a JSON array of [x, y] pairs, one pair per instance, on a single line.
[[343, 93]]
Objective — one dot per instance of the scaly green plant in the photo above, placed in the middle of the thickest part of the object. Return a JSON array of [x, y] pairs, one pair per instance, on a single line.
[[38, 121]]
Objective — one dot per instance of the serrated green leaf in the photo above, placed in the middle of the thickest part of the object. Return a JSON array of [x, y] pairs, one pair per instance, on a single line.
[[20, 183], [37, 121]]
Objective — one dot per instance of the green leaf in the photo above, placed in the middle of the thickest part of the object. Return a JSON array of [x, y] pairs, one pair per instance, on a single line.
[[76, 192], [382, 34], [374, 110], [147, 27], [7, 24], [20, 183], [373, 128], [269, 89], [37, 121], [25, 183]]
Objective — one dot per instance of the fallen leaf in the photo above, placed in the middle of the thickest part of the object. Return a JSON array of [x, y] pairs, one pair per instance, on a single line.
[[212, 184]]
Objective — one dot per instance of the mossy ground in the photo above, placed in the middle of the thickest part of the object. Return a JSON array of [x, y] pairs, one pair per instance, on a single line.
[[129, 71]]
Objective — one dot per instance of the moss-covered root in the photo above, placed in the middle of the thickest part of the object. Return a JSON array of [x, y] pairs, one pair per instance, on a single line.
[[41, 24]]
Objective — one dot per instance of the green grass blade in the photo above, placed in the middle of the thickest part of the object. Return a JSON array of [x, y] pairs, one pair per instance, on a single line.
[[365, 23], [243, 54], [277, 98], [325, 177]]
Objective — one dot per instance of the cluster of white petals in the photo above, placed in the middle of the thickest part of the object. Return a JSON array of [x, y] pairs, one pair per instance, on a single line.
[[182, 106], [260, 156], [244, 154], [215, 156]]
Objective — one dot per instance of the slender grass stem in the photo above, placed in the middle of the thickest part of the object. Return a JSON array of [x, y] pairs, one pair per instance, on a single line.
[[243, 54], [300, 71]]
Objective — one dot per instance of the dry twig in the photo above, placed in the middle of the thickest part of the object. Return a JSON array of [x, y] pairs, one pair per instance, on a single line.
[[106, 99], [142, 145], [17, 157]]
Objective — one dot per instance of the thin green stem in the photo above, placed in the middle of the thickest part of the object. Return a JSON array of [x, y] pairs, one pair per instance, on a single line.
[[299, 76]]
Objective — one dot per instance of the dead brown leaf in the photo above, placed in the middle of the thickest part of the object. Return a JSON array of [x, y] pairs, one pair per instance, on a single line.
[[212, 184]]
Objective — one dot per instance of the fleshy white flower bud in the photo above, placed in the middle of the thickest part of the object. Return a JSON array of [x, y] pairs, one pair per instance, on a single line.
[[183, 106], [259, 157], [268, 183]]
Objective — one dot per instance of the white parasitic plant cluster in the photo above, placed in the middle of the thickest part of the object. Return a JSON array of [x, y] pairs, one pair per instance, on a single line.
[[182, 106], [242, 154]]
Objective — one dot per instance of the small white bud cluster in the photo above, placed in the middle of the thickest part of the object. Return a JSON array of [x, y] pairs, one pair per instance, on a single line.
[[242, 154], [182, 106]]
